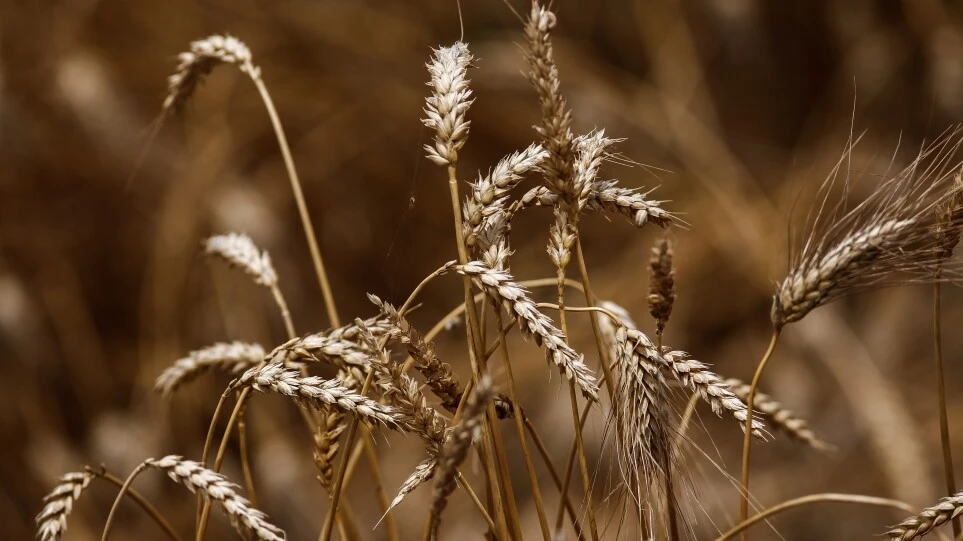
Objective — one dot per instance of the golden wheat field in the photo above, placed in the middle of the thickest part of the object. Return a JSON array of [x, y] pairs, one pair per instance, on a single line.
[[667, 270]]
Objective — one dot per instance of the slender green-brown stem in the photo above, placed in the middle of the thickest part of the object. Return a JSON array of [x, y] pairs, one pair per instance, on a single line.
[[941, 399], [342, 467], [474, 498], [299, 200], [245, 461], [816, 498], [547, 459], [529, 466], [475, 351], [747, 439], [573, 399], [140, 500], [120, 496], [669, 496], [372, 457]]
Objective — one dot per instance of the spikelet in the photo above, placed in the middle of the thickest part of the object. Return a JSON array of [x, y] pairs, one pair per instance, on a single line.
[[605, 196], [214, 487], [239, 251], [52, 520], [450, 99], [194, 65], [499, 285], [232, 358]]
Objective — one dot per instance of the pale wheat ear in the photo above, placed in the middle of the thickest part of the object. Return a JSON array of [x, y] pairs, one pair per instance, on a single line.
[[215, 488], [928, 519], [59, 503], [886, 239], [445, 109], [196, 64], [233, 358]]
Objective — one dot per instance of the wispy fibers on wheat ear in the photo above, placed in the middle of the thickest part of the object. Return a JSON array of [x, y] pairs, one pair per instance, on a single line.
[[887, 238]]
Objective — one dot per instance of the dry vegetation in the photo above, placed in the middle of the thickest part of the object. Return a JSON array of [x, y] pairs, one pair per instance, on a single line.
[[424, 410]]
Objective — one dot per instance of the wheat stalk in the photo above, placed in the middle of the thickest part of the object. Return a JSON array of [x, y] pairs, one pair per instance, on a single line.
[[928, 519], [232, 358], [500, 286], [215, 487]]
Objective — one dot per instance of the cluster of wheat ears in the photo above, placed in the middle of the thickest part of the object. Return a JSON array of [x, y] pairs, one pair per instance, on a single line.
[[905, 230]]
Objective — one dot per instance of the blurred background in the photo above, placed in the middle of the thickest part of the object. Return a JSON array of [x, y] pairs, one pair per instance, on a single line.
[[738, 109]]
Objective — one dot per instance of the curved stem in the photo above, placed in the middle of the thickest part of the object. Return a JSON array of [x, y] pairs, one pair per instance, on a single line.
[[941, 400], [120, 495], [141, 501], [246, 461], [547, 459], [747, 439], [306, 224], [815, 498]]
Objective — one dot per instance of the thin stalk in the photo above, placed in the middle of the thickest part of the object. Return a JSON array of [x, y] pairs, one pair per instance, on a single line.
[[669, 500], [120, 495], [573, 399], [245, 461], [526, 453], [141, 501], [547, 459], [372, 457], [941, 398], [474, 498], [342, 467], [306, 224], [476, 350], [817, 498], [747, 440]]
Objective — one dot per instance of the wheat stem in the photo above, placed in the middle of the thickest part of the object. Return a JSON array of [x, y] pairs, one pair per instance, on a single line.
[[141, 501], [811, 499], [120, 495], [941, 399], [245, 460], [526, 453], [747, 439], [547, 459], [475, 351]]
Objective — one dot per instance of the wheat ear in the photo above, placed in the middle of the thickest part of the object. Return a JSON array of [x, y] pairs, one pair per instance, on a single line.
[[317, 392], [232, 358], [500, 286], [778, 416], [928, 519], [215, 488], [59, 503], [456, 449]]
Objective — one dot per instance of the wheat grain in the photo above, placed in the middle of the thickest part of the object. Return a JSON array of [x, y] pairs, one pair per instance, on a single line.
[[500, 286], [777, 415], [318, 392], [445, 109], [196, 64], [605, 196], [928, 519], [59, 503], [456, 448], [232, 358], [214, 487]]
